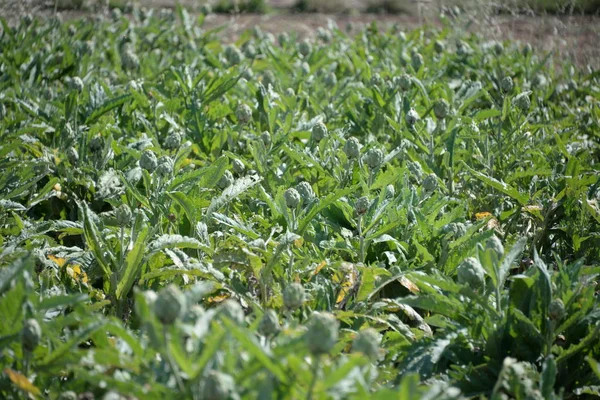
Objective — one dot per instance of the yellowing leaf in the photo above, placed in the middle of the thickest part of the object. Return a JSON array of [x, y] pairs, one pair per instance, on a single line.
[[407, 283], [482, 215], [319, 267], [57, 260], [22, 382], [349, 281], [218, 299]]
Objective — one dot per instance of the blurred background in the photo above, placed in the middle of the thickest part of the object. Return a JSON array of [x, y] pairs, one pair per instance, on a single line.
[[570, 28]]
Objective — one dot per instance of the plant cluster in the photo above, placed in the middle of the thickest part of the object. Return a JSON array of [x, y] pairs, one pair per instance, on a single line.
[[395, 214]]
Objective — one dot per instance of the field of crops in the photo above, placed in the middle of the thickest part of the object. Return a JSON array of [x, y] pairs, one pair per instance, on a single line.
[[387, 214]]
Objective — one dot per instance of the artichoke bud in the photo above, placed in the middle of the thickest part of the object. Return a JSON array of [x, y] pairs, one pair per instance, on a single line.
[[470, 272], [367, 341], [148, 160], [165, 166], [226, 180], [496, 245], [306, 192], [319, 131], [243, 113], [556, 309], [123, 215], [96, 144], [405, 82], [170, 303], [173, 141], [269, 323], [506, 84], [293, 296], [238, 166], [304, 48], [417, 61], [231, 309], [390, 191], [352, 148], [322, 333], [292, 198], [522, 102], [362, 205], [441, 108], [265, 137], [430, 183], [31, 334], [68, 395], [374, 158], [218, 386]]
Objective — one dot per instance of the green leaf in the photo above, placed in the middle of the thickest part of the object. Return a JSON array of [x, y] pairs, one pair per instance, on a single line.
[[500, 186], [133, 265], [321, 205], [548, 377]]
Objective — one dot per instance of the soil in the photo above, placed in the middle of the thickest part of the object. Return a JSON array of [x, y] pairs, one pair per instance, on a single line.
[[570, 38]]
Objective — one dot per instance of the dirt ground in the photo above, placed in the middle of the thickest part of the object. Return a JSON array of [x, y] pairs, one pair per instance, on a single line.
[[574, 38]]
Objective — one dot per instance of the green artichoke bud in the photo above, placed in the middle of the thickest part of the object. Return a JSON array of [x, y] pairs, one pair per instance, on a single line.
[[72, 155], [374, 158], [250, 52], [322, 333], [294, 296], [522, 102], [405, 82], [430, 183], [123, 215], [506, 84], [304, 48], [305, 68], [265, 137], [441, 108], [498, 48], [226, 180], [412, 117], [289, 92], [112, 395], [170, 303], [417, 61], [75, 84], [439, 46], [362, 205], [292, 198], [330, 79], [367, 342], [470, 272], [556, 309], [495, 244], [269, 323], [68, 395], [390, 191], [283, 38], [31, 334], [218, 386], [233, 55], [539, 80], [148, 160], [173, 141], [269, 79], [206, 9], [306, 192], [165, 166], [527, 49], [231, 309], [319, 131], [243, 113], [415, 169], [238, 166], [96, 144], [352, 148]]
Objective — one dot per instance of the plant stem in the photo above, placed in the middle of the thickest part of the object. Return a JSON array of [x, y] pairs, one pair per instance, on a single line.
[[361, 240], [313, 382], [171, 361]]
